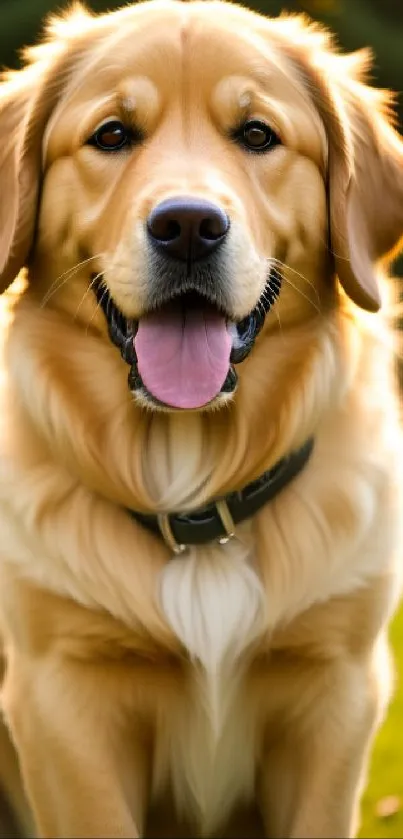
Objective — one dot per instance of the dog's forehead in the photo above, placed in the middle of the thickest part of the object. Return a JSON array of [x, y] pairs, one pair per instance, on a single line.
[[193, 46], [190, 59]]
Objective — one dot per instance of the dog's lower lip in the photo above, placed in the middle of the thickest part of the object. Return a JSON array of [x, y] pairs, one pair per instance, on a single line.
[[230, 382], [247, 331], [122, 331], [249, 328]]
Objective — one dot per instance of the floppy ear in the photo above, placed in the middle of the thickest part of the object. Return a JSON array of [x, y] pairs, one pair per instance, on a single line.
[[27, 98], [19, 177], [365, 186], [365, 160]]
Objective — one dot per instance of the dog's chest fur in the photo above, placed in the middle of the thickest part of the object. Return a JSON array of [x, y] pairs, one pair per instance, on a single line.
[[217, 602], [214, 601]]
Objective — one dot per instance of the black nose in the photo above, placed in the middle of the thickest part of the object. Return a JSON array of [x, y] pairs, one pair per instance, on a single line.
[[187, 228]]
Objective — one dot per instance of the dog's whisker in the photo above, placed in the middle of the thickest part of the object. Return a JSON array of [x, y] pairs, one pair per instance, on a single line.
[[298, 274], [274, 307], [298, 290], [60, 281], [56, 286], [277, 314], [88, 289], [98, 303], [301, 293]]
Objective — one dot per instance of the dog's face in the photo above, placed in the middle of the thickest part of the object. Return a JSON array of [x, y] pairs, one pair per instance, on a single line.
[[189, 158], [195, 165]]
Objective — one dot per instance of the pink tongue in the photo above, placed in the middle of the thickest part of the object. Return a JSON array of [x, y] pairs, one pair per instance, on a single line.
[[183, 356]]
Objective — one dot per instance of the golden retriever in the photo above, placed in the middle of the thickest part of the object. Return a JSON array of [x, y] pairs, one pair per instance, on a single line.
[[189, 186]]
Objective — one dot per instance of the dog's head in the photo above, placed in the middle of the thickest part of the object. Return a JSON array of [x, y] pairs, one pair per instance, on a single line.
[[206, 173]]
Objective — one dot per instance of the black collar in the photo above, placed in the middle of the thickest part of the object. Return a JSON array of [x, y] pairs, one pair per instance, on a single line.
[[217, 521]]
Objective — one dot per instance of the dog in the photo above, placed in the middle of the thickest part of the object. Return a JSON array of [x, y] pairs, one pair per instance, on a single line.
[[200, 436]]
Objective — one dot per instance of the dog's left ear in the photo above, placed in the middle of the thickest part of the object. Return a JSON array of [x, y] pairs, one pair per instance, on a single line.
[[365, 160], [365, 187]]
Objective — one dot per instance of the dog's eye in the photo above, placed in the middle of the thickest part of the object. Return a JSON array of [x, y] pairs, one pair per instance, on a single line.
[[257, 136], [111, 136]]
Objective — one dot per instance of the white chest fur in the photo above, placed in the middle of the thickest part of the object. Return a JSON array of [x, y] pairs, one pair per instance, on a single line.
[[214, 601]]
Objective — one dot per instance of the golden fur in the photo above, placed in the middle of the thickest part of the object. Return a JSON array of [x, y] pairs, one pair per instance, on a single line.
[[234, 691]]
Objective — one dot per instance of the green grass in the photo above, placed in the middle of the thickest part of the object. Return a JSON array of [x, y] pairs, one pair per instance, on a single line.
[[386, 772]]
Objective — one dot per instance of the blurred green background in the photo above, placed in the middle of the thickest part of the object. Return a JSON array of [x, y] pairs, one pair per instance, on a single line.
[[358, 23]]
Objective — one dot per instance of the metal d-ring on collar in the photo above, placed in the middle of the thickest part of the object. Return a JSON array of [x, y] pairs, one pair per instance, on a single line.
[[216, 521], [226, 520], [169, 538], [167, 535]]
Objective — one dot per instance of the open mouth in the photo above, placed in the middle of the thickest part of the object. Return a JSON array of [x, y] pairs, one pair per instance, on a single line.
[[182, 354]]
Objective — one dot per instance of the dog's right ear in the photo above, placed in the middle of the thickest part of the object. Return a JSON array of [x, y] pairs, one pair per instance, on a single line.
[[27, 98], [19, 179]]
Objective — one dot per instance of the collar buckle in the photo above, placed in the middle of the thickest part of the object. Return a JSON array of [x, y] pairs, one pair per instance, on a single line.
[[226, 519], [217, 521]]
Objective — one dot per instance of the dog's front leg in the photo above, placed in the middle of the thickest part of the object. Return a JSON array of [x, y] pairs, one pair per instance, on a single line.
[[83, 756], [313, 773]]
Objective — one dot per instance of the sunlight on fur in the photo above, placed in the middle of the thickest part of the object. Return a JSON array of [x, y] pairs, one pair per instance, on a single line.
[[215, 604], [240, 678]]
